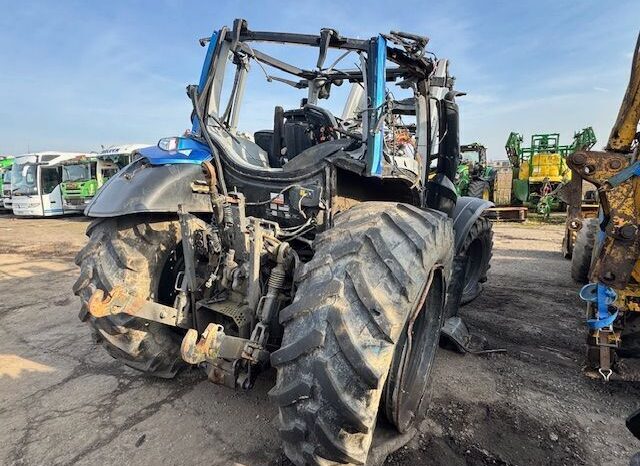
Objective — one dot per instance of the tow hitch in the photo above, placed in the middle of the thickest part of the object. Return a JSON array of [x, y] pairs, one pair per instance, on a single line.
[[119, 301]]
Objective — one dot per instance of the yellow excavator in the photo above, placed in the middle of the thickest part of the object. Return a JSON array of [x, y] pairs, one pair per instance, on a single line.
[[612, 293]]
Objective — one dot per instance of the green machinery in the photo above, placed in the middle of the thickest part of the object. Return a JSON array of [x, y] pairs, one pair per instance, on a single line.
[[540, 170], [474, 176], [5, 168]]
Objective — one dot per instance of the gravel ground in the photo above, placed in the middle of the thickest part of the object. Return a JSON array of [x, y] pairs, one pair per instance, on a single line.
[[64, 401]]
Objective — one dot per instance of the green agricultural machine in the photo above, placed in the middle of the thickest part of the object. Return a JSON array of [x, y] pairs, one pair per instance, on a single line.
[[474, 176], [5, 174], [540, 170]]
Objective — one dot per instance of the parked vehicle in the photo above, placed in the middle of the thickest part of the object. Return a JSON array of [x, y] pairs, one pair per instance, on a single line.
[[84, 176], [81, 178], [35, 184], [121, 154], [475, 177], [5, 182], [541, 169], [320, 246]]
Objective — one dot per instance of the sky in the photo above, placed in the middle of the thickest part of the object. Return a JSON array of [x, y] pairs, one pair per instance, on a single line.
[[75, 75]]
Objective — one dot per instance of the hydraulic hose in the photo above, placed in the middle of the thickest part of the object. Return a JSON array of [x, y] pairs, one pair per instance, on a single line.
[[193, 94]]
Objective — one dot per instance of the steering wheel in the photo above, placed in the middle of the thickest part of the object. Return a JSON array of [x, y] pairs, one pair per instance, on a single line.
[[322, 121]]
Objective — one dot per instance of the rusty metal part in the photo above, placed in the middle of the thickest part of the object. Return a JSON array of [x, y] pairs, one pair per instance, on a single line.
[[571, 194], [625, 127], [217, 200], [119, 301], [212, 177], [195, 351], [620, 207], [212, 345], [223, 372]]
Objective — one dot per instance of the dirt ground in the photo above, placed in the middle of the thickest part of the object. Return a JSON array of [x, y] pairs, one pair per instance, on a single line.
[[64, 401]]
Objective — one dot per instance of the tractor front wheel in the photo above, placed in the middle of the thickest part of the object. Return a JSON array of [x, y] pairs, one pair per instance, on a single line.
[[478, 250], [142, 254]]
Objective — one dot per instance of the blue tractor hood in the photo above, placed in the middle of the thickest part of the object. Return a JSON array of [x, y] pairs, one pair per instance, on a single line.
[[176, 150]]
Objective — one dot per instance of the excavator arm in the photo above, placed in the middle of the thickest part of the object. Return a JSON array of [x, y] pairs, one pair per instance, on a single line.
[[614, 291], [625, 128]]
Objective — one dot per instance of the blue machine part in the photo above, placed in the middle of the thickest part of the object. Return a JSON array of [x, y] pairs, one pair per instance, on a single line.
[[175, 151], [602, 296], [624, 175], [376, 87], [205, 71]]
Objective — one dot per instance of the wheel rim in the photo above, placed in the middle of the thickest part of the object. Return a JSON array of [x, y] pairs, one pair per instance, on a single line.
[[485, 194], [475, 253], [409, 376]]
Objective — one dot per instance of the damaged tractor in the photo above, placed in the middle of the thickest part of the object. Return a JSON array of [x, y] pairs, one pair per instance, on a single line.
[[332, 248]]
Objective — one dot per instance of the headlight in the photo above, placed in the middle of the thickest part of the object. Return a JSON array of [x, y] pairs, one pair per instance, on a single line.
[[168, 144]]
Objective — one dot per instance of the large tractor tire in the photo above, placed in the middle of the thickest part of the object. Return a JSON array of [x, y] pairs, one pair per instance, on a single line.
[[368, 311], [142, 254], [480, 189], [583, 250], [478, 250]]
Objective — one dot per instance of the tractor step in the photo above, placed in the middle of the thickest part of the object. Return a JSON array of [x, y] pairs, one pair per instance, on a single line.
[[507, 214]]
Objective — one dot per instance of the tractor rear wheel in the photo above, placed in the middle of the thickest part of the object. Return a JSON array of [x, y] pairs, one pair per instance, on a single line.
[[480, 189], [142, 254], [478, 249], [368, 310], [583, 250]]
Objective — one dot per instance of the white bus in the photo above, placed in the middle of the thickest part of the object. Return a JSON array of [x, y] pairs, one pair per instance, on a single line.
[[121, 154], [35, 184]]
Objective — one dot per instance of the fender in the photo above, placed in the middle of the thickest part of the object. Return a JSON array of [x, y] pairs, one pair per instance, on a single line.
[[143, 186], [465, 213]]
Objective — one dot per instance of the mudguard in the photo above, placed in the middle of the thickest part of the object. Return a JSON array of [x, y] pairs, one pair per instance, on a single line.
[[144, 187], [465, 213]]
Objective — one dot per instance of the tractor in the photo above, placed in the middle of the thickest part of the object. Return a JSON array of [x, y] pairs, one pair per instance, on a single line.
[[333, 249], [474, 176]]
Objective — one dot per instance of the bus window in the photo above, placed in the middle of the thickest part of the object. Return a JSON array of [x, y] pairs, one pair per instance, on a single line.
[[23, 178], [50, 179]]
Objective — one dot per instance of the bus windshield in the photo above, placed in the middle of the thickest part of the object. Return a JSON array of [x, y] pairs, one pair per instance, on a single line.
[[79, 172], [6, 176], [24, 176]]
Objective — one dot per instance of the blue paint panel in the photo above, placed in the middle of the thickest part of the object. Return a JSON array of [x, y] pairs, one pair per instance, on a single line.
[[376, 66], [205, 71], [188, 151]]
